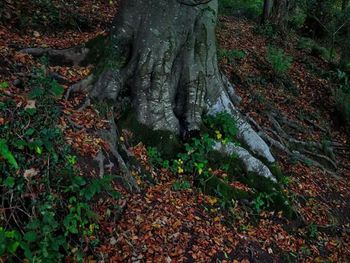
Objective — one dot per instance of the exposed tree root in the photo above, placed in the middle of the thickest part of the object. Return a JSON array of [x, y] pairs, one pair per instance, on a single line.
[[250, 163], [111, 137], [100, 158], [83, 85], [285, 144], [70, 56]]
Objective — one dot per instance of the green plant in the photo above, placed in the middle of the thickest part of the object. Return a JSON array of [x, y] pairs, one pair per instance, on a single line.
[[6, 153], [4, 85], [298, 18], [249, 8], [154, 156], [231, 55], [181, 185], [279, 62], [313, 231], [267, 29], [47, 203], [263, 201], [223, 126], [199, 160]]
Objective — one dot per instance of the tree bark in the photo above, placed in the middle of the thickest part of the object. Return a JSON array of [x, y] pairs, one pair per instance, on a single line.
[[279, 13], [345, 56], [268, 4], [163, 53]]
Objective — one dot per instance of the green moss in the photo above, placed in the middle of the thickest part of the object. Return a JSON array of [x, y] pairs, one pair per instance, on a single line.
[[259, 184], [97, 49], [217, 187], [263, 185], [166, 142]]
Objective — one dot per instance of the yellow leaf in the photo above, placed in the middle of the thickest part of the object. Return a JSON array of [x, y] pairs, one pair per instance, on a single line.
[[212, 200]]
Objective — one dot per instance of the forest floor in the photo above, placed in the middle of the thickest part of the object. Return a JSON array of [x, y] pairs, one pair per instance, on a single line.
[[164, 225]]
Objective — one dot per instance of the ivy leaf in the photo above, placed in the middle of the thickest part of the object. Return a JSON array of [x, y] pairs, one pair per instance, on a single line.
[[13, 247], [30, 236], [35, 93], [5, 153], [9, 182], [4, 85], [56, 89]]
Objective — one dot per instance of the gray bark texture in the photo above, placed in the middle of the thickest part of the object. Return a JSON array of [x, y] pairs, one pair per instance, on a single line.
[[164, 53], [171, 65]]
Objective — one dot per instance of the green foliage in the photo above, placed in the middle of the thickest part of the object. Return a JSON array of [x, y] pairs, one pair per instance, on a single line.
[[52, 14], [313, 231], [279, 61], [46, 202], [4, 85], [263, 201], [315, 48], [249, 8], [231, 55], [181, 185], [199, 160], [298, 18], [6, 153], [305, 43], [195, 158], [267, 29], [154, 156], [223, 125], [342, 97]]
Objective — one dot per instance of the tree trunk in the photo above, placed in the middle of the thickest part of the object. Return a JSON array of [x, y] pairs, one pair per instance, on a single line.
[[163, 53], [267, 10], [345, 56], [279, 13], [345, 4]]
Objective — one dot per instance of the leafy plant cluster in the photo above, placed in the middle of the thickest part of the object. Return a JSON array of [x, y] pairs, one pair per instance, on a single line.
[[231, 55], [46, 213], [279, 61], [200, 161], [194, 160]]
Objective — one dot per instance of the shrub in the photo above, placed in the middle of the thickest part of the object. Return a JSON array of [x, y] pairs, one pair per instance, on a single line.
[[315, 48], [249, 8], [279, 61], [298, 19], [46, 211], [267, 29], [231, 55]]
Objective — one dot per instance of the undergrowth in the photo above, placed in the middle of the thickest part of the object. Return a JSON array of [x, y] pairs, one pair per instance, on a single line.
[[279, 61], [46, 211], [214, 173]]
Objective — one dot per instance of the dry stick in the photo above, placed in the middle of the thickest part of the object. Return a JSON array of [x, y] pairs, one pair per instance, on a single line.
[[74, 124]]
